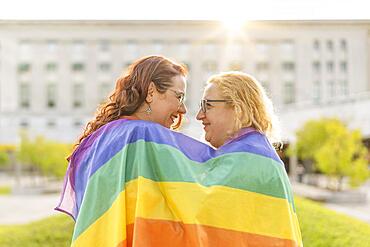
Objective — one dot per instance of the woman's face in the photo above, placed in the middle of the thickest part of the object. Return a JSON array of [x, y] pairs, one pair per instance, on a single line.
[[167, 106], [218, 120]]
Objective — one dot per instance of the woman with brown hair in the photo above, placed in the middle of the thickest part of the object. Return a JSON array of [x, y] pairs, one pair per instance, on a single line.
[[152, 89]]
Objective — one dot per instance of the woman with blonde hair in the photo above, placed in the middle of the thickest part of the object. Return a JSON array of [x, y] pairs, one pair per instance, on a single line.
[[239, 121], [234, 101]]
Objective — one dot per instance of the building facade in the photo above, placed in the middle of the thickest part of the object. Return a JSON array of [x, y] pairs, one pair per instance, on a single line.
[[53, 75]]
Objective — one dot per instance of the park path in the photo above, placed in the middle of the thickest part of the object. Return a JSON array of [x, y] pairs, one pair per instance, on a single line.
[[22, 209]]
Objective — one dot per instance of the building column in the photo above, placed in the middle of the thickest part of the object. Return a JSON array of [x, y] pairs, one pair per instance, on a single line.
[[293, 162]]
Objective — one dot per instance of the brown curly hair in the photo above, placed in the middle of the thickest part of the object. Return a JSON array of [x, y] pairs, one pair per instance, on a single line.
[[132, 88]]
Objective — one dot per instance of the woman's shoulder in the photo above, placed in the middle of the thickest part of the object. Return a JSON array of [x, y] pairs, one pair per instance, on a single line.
[[253, 142], [125, 126]]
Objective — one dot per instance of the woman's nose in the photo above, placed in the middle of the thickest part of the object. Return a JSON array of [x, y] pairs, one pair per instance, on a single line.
[[182, 109], [200, 115]]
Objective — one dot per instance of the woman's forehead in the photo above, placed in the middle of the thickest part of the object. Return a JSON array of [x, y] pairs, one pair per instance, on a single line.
[[179, 83], [212, 91]]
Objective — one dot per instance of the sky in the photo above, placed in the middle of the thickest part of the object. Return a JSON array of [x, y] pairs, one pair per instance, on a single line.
[[184, 10]]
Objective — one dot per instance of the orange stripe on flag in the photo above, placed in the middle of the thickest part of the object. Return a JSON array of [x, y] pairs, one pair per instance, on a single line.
[[162, 233]]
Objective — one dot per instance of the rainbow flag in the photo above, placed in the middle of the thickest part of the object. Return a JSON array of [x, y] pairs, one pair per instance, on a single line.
[[136, 183]]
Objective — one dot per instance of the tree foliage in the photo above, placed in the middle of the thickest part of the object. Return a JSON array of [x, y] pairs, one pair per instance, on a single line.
[[4, 158], [49, 157], [4, 154], [335, 150]]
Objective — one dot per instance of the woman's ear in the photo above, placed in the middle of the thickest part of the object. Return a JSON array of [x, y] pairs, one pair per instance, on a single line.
[[151, 91]]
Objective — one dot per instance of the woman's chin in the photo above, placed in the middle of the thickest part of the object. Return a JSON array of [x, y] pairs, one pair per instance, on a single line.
[[207, 138], [168, 124]]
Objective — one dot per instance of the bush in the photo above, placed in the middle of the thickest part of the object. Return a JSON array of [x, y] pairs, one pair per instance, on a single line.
[[4, 159], [48, 157], [4, 154], [5, 190]]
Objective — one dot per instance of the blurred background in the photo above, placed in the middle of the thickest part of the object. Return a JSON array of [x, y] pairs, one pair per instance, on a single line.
[[55, 73]]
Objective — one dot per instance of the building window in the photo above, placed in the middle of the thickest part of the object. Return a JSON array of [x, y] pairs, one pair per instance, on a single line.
[[51, 123], [210, 66], [183, 47], [262, 66], [289, 92], [330, 66], [24, 47], [50, 67], [210, 48], [236, 66], [132, 48], [262, 48], [237, 48], [78, 46], [51, 46], [24, 123], [104, 67], [343, 66], [316, 67], [288, 66], [331, 87], [343, 45], [104, 90], [77, 123], [78, 67], [24, 67], [343, 87], [329, 45], [104, 45], [316, 91], [127, 65], [24, 95], [78, 95], [287, 47], [158, 46], [316, 45], [51, 95]]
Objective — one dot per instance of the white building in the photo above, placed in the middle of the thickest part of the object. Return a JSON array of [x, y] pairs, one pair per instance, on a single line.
[[54, 74]]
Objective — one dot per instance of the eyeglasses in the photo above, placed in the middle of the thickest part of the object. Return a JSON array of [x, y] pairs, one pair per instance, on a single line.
[[180, 95], [203, 103]]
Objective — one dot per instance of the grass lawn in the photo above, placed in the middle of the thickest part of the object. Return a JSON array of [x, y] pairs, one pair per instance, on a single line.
[[320, 227], [54, 231]]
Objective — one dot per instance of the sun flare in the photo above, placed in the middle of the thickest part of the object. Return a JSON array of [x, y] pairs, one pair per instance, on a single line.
[[233, 24]]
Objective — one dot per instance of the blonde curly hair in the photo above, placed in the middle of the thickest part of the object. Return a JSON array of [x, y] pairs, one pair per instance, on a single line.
[[251, 105]]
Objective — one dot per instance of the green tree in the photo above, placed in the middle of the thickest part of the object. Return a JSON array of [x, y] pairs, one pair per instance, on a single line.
[[49, 157], [336, 151], [4, 159], [5, 150]]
